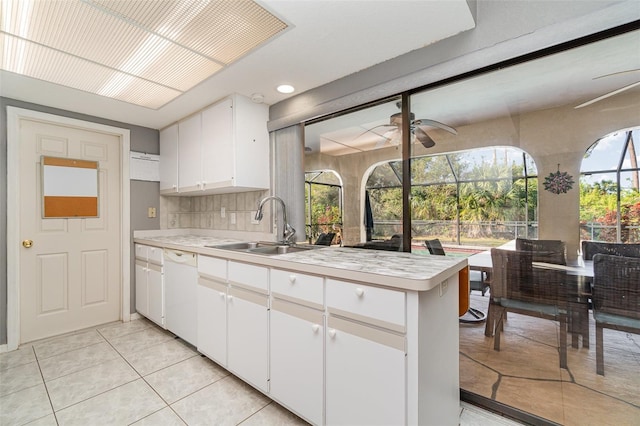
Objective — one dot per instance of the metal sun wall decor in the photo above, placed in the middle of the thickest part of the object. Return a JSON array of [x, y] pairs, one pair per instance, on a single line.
[[558, 182]]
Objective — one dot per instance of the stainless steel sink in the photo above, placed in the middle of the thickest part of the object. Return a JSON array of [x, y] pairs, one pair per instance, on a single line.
[[262, 247]]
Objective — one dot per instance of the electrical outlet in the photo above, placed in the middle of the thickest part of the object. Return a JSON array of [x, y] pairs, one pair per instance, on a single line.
[[223, 212], [151, 212]]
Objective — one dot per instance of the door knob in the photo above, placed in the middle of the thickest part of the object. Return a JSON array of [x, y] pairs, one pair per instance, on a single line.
[[27, 243]]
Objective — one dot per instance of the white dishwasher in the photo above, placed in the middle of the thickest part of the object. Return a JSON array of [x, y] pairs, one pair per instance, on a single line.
[[181, 294]]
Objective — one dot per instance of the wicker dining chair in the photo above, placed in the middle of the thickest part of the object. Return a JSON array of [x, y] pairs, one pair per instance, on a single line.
[[549, 251], [591, 248], [616, 298], [520, 288]]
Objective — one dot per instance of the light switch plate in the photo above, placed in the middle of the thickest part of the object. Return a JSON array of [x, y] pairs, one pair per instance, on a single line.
[[151, 212], [223, 212]]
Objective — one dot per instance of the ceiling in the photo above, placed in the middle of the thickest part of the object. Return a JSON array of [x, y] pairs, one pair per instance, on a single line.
[[323, 41], [570, 78]]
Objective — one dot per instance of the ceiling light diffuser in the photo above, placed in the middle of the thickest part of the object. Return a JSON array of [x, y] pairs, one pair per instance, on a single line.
[[141, 52]]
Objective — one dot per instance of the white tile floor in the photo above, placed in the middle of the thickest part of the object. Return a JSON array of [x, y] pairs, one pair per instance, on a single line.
[[136, 373]]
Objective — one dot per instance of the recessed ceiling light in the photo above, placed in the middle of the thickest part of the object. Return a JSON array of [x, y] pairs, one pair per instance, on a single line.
[[285, 88]]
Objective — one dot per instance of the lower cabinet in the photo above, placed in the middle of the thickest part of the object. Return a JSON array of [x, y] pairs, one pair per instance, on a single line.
[[365, 375], [149, 283], [297, 336], [212, 319], [248, 331]]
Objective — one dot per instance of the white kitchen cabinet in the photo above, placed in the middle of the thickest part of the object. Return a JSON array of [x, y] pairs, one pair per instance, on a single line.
[[149, 283], [169, 160], [247, 339], [296, 362], [223, 148], [212, 319], [366, 367], [190, 154], [235, 146], [248, 323], [212, 308]]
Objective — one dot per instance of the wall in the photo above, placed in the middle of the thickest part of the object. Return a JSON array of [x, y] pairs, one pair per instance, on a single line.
[[143, 194]]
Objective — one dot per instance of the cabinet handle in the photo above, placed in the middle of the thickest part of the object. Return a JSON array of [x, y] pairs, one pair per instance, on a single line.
[[204, 183], [174, 186], [229, 297], [222, 294], [315, 328], [292, 278], [359, 292], [332, 333]]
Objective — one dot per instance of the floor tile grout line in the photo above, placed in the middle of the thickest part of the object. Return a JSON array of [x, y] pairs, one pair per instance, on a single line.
[[82, 369], [44, 383], [149, 384]]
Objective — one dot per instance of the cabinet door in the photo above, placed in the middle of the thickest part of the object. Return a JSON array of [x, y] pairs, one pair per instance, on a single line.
[[189, 154], [169, 160], [142, 302], [217, 145], [296, 335], [155, 298], [365, 375], [212, 320], [248, 329]]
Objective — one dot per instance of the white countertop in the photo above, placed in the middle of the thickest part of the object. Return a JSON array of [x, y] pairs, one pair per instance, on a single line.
[[384, 268]]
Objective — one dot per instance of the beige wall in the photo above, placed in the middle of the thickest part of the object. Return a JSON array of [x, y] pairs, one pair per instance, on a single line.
[[554, 136]]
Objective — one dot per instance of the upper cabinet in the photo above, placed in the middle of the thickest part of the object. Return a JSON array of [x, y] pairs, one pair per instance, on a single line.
[[224, 148], [169, 160]]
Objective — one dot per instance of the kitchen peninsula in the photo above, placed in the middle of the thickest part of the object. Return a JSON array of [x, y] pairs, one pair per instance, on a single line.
[[336, 335]]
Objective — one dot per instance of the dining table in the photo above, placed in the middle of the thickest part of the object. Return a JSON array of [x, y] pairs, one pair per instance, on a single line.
[[579, 274]]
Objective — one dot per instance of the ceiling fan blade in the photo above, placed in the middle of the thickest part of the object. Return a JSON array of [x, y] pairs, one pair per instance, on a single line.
[[424, 138], [434, 123], [607, 95]]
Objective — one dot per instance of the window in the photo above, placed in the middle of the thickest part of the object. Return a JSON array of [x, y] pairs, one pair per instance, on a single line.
[[323, 205], [610, 189], [478, 197]]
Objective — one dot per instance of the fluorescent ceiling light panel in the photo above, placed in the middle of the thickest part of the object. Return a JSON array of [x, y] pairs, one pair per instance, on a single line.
[[141, 52]]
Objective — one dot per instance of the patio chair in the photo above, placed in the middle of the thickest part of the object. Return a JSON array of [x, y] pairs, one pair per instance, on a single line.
[[477, 280], [325, 239], [616, 298], [591, 248], [548, 251], [435, 249], [520, 288]]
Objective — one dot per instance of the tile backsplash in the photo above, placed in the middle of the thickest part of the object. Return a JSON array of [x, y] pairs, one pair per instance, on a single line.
[[233, 212]]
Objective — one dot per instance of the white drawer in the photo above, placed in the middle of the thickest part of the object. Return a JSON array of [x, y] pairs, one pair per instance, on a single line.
[[154, 255], [297, 287], [141, 251], [377, 306], [212, 267], [247, 275]]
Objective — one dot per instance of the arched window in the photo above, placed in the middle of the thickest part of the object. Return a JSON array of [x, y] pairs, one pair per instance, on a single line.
[[610, 189], [323, 205], [484, 196]]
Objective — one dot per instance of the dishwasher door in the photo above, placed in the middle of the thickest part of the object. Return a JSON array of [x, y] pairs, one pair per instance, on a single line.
[[181, 297]]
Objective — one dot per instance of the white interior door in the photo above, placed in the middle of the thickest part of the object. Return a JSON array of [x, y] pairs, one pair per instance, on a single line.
[[70, 278]]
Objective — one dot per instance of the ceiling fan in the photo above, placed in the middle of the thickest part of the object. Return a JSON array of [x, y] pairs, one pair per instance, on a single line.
[[613, 92], [418, 130]]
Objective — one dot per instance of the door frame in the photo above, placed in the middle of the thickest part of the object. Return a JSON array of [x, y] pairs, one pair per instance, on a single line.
[[14, 115]]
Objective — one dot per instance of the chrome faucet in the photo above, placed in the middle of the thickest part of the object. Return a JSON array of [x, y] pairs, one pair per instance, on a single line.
[[288, 232]]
